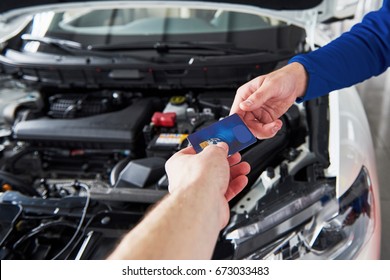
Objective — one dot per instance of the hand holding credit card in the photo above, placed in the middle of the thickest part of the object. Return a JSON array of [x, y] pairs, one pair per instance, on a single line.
[[231, 130]]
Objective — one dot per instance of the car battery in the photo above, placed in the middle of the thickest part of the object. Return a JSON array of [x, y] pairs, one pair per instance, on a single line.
[[166, 144]]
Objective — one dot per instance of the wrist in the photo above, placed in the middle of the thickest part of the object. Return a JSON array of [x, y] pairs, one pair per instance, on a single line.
[[210, 197], [300, 77]]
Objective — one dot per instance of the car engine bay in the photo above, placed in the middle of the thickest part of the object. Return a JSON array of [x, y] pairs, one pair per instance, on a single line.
[[80, 170]]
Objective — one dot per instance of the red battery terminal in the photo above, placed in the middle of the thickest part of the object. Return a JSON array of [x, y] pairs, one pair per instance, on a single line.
[[164, 119]]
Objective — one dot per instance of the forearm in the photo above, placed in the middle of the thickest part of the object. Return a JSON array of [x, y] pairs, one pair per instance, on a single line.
[[185, 225]]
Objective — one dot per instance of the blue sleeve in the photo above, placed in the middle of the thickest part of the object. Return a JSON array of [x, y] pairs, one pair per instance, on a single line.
[[355, 56]]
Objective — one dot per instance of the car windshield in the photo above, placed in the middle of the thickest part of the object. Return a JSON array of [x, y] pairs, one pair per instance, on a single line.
[[171, 24]]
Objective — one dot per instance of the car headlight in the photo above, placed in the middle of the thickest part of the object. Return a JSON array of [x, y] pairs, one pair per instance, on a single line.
[[311, 226], [342, 236]]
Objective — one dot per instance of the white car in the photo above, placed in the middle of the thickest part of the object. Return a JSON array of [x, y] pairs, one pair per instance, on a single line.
[[108, 90]]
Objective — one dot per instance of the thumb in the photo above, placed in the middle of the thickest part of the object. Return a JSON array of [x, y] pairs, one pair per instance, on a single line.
[[224, 146], [254, 101], [220, 147]]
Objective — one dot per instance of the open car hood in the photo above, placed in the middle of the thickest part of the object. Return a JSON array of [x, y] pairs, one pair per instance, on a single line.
[[268, 4], [14, 15], [337, 9]]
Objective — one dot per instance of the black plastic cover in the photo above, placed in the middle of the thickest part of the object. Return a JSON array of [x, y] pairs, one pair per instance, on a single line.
[[121, 129], [141, 172], [319, 123]]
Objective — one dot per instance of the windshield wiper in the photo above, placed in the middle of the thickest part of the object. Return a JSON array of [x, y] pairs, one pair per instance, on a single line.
[[167, 47], [71, 47], [63, 44]]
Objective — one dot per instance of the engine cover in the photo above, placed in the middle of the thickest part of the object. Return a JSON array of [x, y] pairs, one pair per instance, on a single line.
[[121, 129]]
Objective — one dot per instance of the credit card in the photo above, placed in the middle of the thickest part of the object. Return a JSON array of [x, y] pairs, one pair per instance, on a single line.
[[231, 130]]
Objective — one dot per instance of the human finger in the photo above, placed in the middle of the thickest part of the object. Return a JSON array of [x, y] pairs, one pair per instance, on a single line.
[[241, 95], [236, 186], [234, 159], [264, 130], [243, 92], [219, 147], [243, 168], [254, 101]]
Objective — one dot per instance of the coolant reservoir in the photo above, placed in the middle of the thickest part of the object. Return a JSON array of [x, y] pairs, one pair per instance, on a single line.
[[178, 105]]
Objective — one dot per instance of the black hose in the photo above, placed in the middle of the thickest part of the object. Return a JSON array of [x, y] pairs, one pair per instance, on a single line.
[[17, 184]]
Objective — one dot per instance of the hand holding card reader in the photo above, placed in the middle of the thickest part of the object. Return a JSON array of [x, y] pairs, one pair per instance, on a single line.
[[231, 130]]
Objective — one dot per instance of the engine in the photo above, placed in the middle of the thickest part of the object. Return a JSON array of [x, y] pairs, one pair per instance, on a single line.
[[94, 136], [86, 167]]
